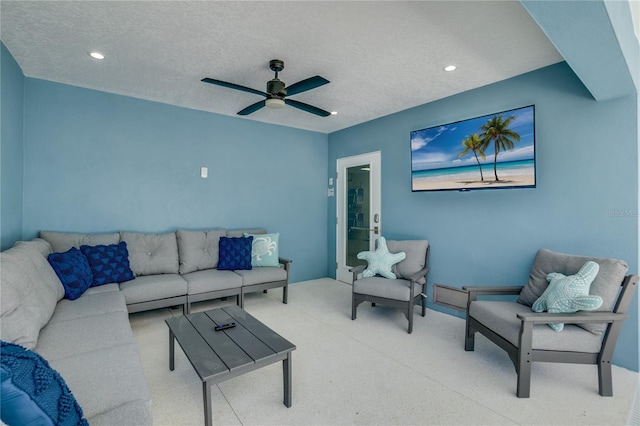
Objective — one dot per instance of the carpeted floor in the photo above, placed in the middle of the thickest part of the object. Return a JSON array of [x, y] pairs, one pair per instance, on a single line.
[[370, 371]]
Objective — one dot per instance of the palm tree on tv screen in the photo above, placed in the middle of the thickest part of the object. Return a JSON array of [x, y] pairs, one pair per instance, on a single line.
[[474, 144], [496, 130]]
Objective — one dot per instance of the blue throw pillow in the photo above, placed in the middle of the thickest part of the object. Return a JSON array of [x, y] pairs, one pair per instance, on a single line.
[[264, 249], [109, 264], [234, 253], [73, 270], [33, 393]]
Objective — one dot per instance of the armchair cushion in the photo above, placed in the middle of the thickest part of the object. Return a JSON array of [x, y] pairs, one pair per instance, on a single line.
[[567, 294], [380, 261], [415, 259], [396, 289], [606, 284], [501, 318]]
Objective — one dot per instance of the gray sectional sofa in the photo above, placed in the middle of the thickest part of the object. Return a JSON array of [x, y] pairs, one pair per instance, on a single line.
[[89, 340], [179, 268]]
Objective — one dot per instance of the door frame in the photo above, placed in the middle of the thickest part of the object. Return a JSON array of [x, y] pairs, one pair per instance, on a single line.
[[373, 160]]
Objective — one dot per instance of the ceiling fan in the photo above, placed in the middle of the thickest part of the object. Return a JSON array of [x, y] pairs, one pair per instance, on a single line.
[[277, 91]]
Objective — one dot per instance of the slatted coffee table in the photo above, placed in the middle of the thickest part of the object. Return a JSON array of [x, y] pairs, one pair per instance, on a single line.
[[220, 355]]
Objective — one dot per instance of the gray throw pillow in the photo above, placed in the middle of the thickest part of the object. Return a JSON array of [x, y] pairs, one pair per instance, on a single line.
[[198, 250], [606, 284], [151, 254]]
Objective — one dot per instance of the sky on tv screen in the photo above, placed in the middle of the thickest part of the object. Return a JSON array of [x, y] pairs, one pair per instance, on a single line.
[[439, 147]]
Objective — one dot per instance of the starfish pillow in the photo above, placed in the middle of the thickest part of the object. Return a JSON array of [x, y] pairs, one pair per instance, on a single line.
[[567, 294], [380, 261]]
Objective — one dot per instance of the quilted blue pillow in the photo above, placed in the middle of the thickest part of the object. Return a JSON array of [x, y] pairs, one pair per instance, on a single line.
[[234, 253], [33, 393], [73, 270], [109, 264]]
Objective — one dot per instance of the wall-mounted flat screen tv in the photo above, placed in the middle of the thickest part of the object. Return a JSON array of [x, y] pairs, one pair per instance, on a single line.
[[489, 152]]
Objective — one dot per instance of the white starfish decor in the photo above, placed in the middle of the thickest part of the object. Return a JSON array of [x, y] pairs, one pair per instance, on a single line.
[[380, 261]]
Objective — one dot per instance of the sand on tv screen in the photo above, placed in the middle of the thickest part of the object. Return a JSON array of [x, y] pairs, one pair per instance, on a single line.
[[489, 152]]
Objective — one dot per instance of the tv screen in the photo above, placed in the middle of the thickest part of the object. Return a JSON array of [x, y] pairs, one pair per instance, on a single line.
[[489, 152]]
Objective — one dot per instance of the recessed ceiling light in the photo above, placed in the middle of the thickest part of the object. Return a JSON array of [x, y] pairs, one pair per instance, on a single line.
[[96, 55], [450, 68], [334, 112]]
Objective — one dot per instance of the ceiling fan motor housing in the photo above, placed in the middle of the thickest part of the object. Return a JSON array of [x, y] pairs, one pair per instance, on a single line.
[[276, 87]]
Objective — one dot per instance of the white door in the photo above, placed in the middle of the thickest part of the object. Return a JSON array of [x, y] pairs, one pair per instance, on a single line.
[[358, 220]]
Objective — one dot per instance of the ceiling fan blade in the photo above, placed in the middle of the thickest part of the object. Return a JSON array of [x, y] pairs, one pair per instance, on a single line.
[[233, 86], [307, 84], [252, 108], [307, 107]]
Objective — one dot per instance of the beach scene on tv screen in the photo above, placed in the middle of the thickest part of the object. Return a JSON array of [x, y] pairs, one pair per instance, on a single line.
[[492, 151]]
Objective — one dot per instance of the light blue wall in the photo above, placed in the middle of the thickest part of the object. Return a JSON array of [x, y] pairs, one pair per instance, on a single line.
[[586, 176], [102, 162], [11, 136]]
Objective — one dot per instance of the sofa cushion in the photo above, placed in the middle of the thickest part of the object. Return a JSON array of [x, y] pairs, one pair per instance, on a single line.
[[33, 392], [198, 250], [63, 241], [501, 317], [90, 304], [114, 373], [606, 284], [39, 244], [73, 270], [61, 339], [211, 280], [264, 249], [29, 291], [263, 274], [151, 254], [153, 287], [109, 264], [235, 253], [414, 261]]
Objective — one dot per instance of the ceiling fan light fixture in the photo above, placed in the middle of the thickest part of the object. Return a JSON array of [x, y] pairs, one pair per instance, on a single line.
[[275, 103]]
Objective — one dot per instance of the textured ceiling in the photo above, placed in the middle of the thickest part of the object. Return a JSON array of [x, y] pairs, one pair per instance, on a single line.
[[381, 57]]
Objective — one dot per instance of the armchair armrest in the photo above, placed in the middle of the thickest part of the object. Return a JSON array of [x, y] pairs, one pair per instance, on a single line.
[[475, 291], [357, 270], [571, 318], [421, 273]]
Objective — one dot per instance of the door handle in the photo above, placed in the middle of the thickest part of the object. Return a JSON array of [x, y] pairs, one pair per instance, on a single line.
[[375, 229]]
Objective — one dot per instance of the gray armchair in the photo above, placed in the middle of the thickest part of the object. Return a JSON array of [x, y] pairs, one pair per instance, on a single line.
[[587, 338], [409, 288]]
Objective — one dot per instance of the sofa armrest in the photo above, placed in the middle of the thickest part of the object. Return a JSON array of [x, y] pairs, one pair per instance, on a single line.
[[286, 263], [357, 270]]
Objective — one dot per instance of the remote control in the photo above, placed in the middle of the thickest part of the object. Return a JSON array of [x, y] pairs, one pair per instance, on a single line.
[[220, 327]]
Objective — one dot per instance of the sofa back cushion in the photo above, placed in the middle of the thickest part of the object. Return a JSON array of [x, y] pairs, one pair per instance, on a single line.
[[606, 284], [29, 291], [39, 244], [63, 241], [198, 250], [151, 254], [236, 233]]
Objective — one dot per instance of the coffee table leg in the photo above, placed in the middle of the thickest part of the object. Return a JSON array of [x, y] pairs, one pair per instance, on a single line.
[[286, 372], [172, 342], [206, 392]]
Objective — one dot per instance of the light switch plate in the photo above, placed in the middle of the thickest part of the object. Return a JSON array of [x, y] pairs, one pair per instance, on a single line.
[[204, 172]]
